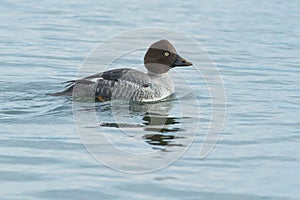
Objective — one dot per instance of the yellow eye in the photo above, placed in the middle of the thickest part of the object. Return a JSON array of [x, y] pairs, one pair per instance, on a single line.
[[167, 53]]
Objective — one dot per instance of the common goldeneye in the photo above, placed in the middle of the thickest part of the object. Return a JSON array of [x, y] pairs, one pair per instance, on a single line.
[[130, 84]]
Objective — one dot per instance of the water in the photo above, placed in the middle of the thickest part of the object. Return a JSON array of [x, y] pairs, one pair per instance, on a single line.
[[254, 44]]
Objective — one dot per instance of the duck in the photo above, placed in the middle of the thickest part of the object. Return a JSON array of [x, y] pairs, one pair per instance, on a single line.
[[130, 84]]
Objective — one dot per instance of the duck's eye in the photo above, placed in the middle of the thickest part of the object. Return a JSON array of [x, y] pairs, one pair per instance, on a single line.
[[167, 53]]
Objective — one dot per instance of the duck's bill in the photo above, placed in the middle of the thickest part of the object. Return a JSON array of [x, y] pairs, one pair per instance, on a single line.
[[180, 61]]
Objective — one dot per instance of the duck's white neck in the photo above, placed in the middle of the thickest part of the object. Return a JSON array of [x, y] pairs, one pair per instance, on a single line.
[[157, 75], [162, 80]]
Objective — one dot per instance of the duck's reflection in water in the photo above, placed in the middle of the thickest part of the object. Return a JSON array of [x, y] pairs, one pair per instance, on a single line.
[[165, 130], [160, 128]]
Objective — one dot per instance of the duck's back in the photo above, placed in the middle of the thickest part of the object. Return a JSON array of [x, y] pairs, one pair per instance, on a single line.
[[124, 83]]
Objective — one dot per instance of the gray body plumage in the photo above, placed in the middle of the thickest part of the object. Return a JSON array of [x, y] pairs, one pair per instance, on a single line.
[[138, 86], [126, 84]]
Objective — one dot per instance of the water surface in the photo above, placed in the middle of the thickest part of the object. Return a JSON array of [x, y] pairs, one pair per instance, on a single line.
[[254, 44]]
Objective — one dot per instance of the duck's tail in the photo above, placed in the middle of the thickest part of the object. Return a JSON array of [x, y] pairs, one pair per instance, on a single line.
[[68, 91], [82, 84]]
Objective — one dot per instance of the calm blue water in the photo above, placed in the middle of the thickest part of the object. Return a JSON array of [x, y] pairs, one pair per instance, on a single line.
[[254, 44]]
